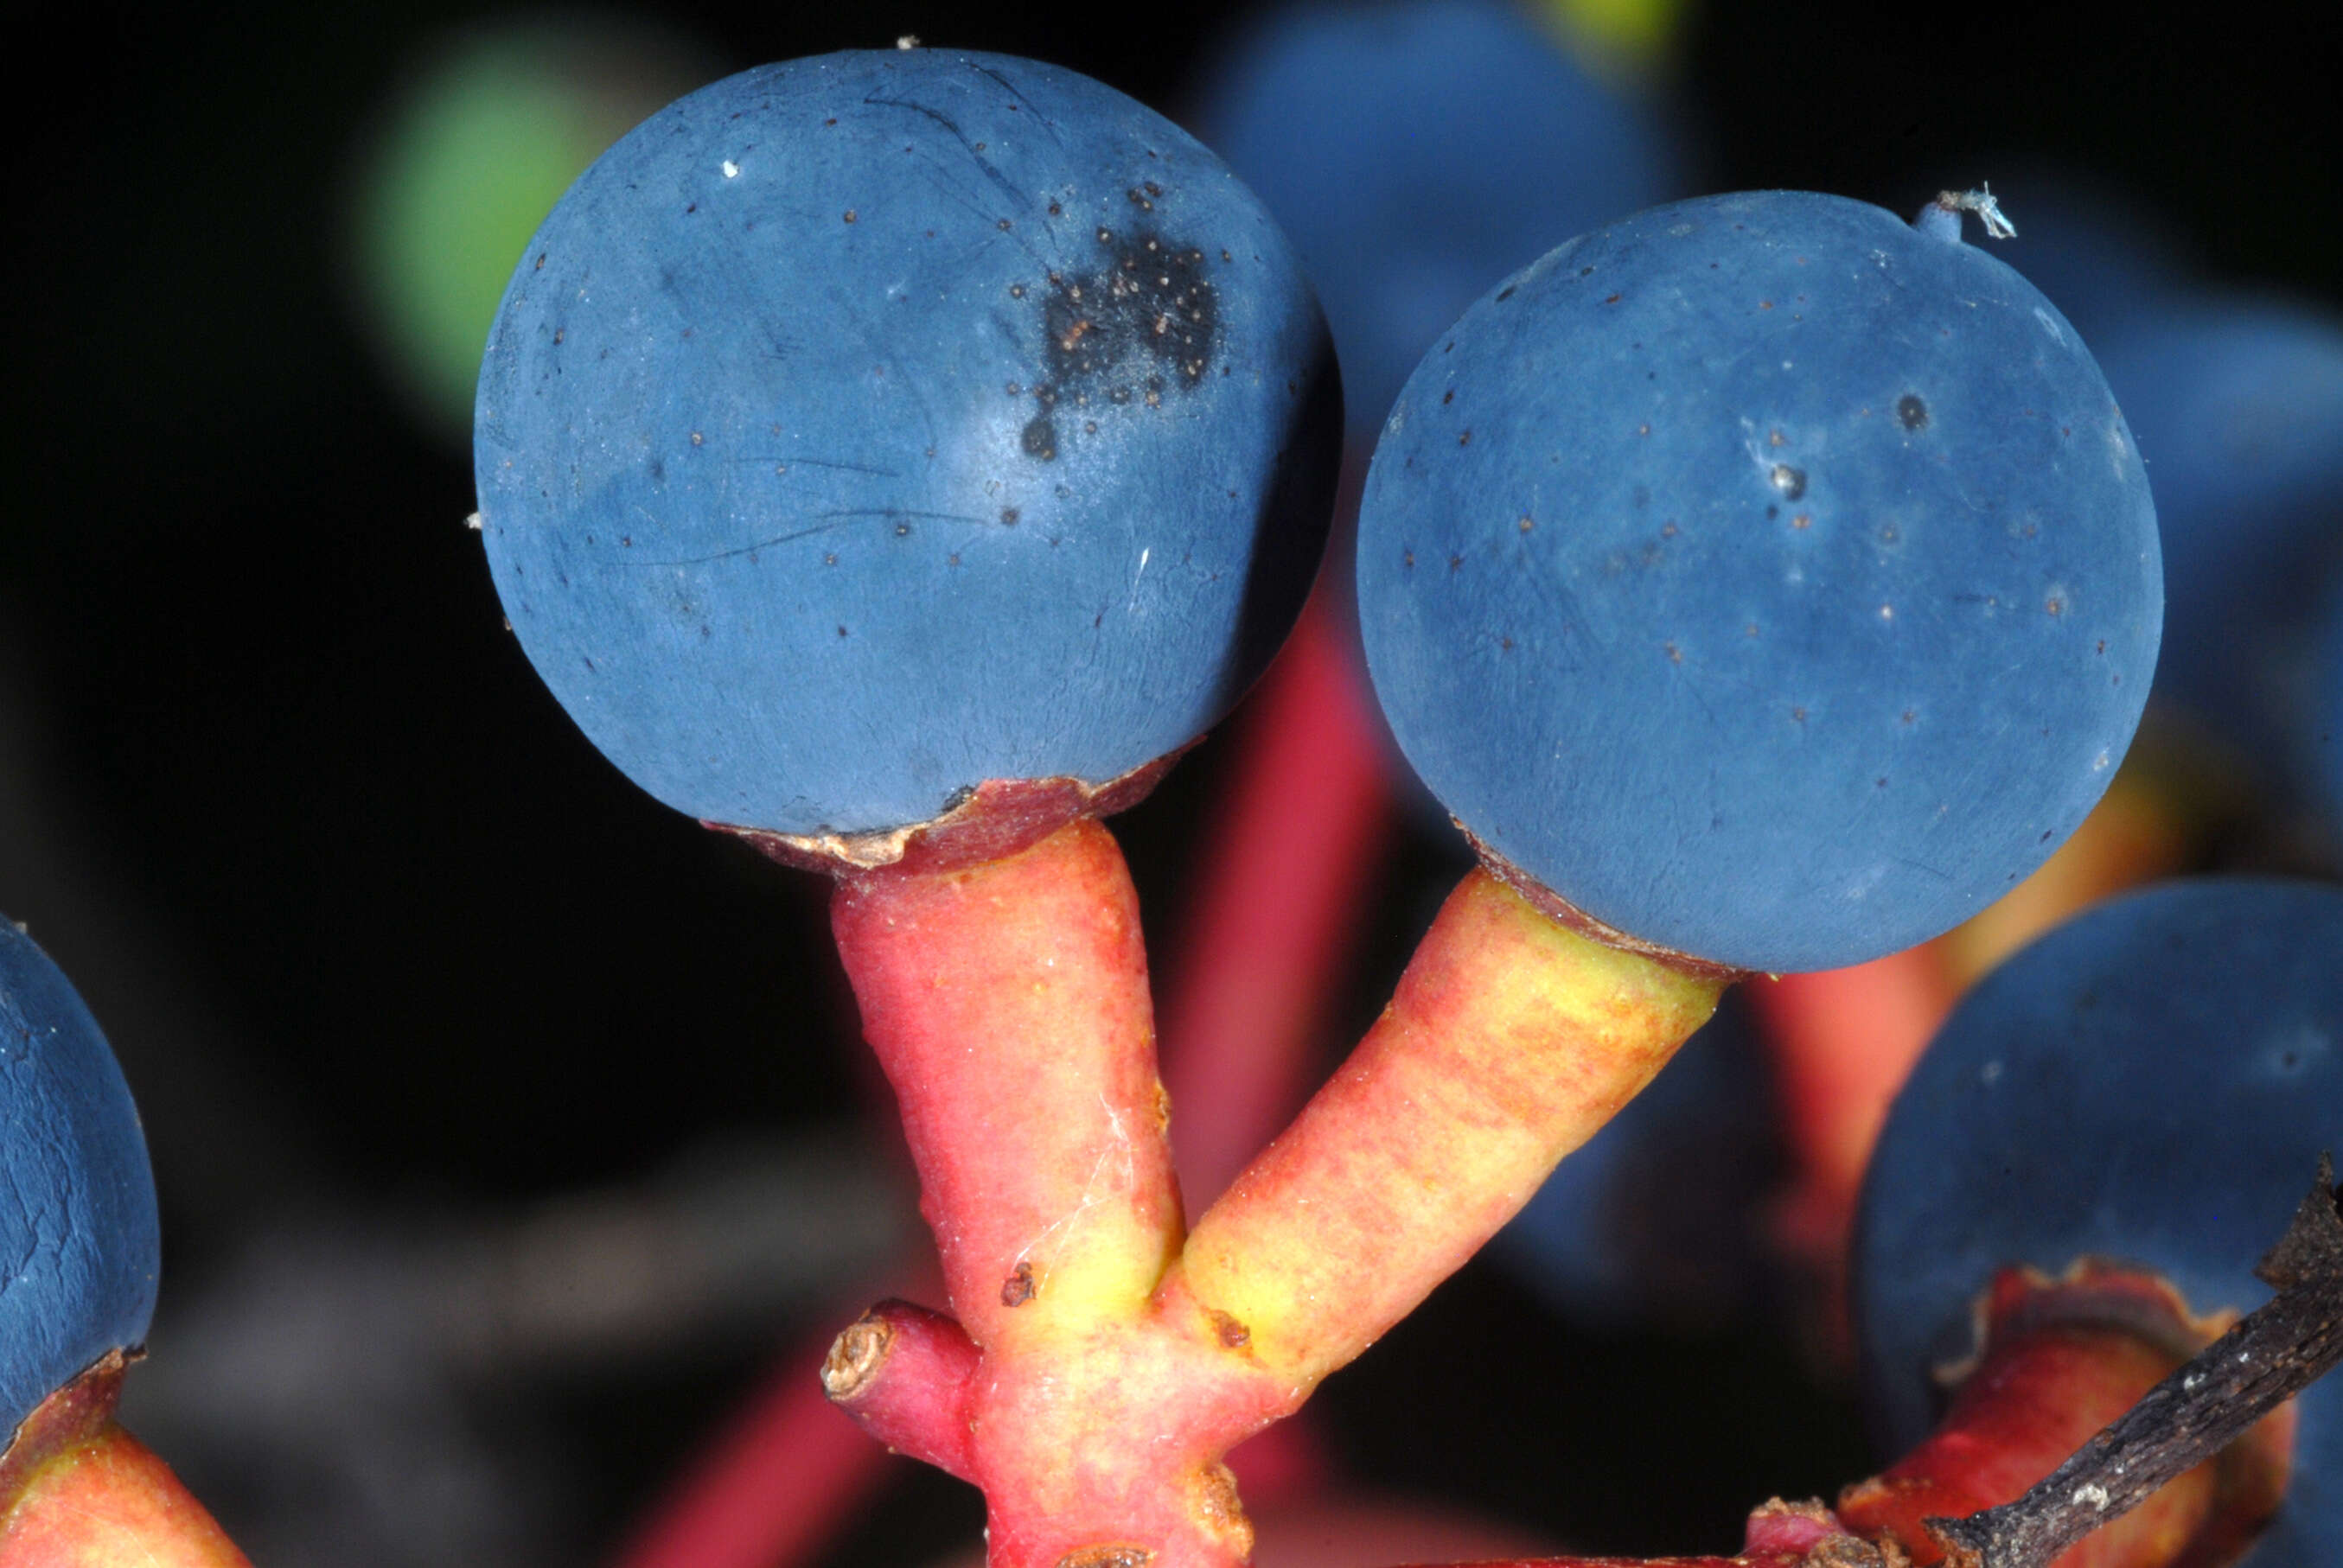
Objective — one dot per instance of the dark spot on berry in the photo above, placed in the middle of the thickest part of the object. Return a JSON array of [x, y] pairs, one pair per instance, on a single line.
[[1145, 323], [1912, 412], [1008, 516], [1506, 293]]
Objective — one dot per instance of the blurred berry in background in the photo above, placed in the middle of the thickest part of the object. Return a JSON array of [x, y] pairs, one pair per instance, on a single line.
[[472, 152], [1418, 152]]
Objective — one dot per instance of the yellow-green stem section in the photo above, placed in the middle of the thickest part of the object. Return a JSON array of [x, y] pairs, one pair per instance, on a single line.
[[1509, 1041]]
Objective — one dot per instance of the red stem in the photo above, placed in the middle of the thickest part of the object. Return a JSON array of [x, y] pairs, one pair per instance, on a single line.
[[772, 1488], [1288, 860], [904, 1373], [1008, 1005]]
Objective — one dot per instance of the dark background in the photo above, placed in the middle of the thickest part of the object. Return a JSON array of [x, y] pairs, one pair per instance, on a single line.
[[384, 944]]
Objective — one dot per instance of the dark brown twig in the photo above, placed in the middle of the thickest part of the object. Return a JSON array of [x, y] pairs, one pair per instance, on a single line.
[[2272, 1354]]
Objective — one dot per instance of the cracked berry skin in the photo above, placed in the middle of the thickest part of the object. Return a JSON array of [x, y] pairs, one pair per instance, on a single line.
[[80, 1239], [1774, 582], [864, 427], [2152, 1081]]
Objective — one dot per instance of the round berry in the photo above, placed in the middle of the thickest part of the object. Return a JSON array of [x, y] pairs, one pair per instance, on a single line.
[[80, 1243], [863, 428], [1773, 582], [1416, 152], [2153, 1082]]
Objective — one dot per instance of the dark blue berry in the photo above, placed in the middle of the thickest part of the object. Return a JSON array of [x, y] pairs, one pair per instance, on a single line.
[[1771, 580], [2153, 1082], [80, 1246], [1419, 152], [2237, 403], [862, 429]]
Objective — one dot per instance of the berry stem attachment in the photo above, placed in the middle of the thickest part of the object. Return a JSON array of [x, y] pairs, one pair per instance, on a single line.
[[1099, 1368], [1008, 1003], [77, 1490], [2272, 1354], [1941, 218], [1509, 1041]]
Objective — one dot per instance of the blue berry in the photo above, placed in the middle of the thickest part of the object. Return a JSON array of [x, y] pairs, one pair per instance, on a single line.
[[2237, 403], [80, 1246], [1771, 580], [1419, 152], [2153, 1082], [2324, 719], [862, 429]]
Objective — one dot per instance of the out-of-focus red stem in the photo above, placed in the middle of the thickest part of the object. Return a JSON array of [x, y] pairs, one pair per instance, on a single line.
[[1841, 1044], [772, 1488], [903, 1373], [1288, 857]]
